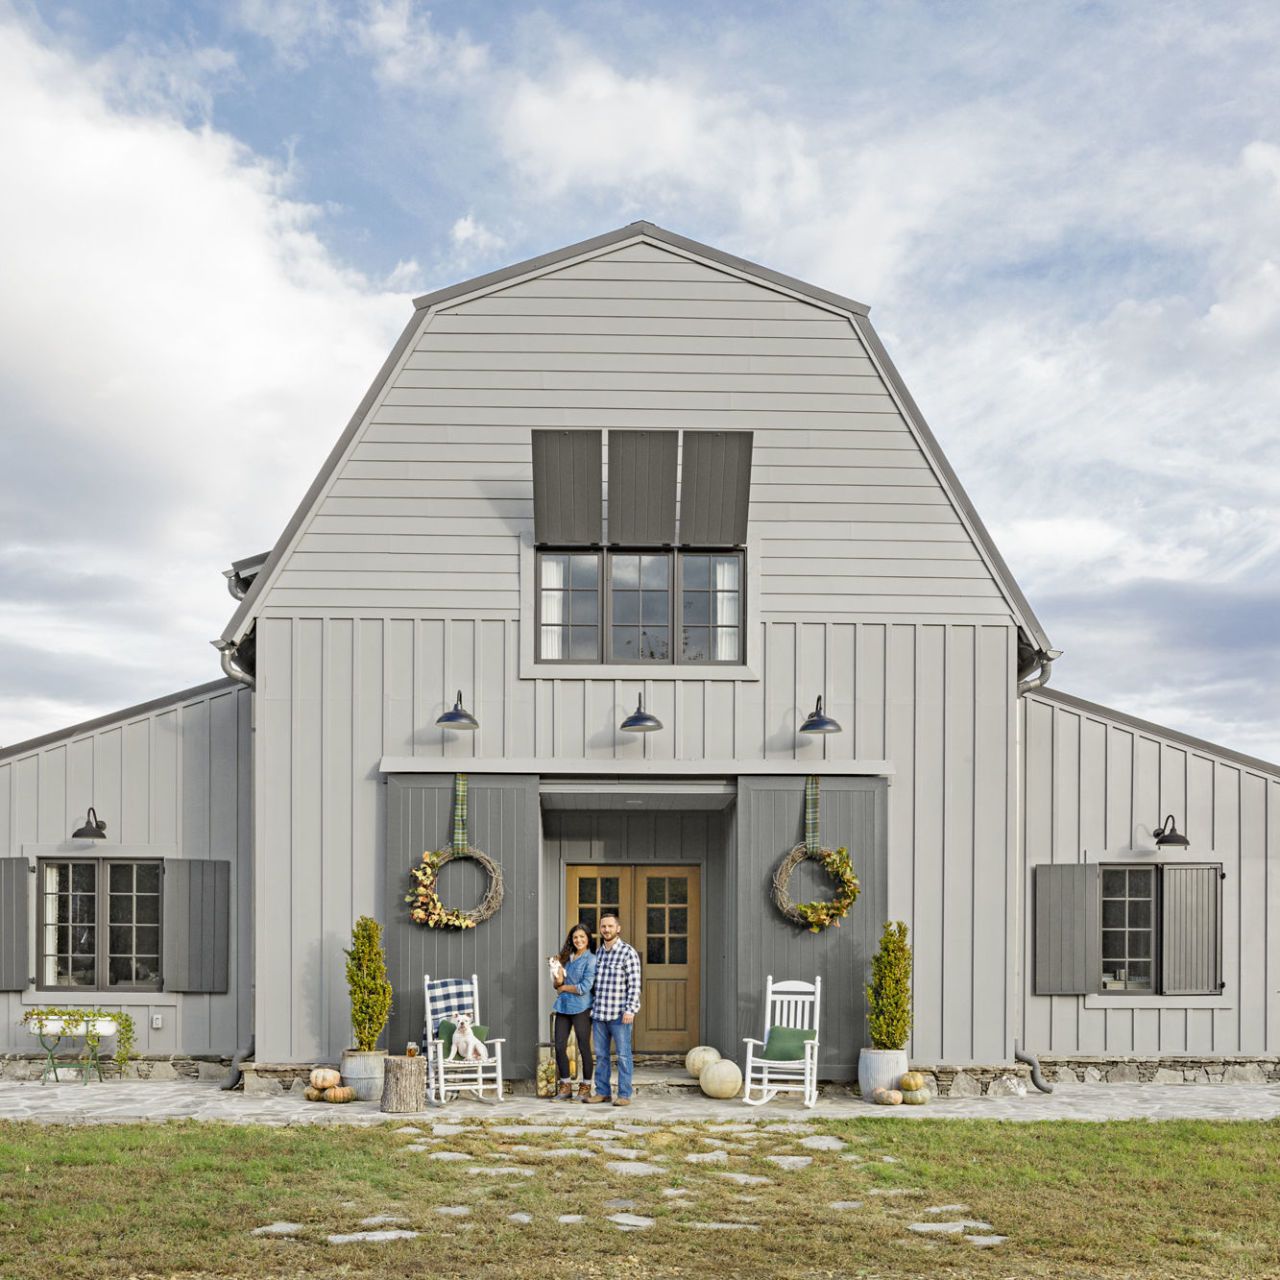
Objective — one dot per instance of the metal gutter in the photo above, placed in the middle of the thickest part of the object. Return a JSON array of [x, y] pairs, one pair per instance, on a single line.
[[115, 717]]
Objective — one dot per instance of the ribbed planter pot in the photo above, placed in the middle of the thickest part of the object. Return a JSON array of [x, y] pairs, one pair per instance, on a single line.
[[880, 1069], [363, 1071]]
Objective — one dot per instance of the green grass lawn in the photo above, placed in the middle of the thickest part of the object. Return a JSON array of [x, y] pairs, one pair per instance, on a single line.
[[1098, 1200]]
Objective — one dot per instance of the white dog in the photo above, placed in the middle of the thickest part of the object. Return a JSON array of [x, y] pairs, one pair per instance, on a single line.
[[557, 970], [465, 1044]]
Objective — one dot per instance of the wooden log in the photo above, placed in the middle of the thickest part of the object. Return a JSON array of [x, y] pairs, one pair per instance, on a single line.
[[404, 1084]]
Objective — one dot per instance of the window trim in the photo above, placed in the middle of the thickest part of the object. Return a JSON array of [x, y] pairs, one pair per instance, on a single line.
[[675, 608], [1156, 958], [101, 983]]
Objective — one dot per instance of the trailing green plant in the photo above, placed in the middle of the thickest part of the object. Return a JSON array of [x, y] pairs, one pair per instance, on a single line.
[[889, 993], [368, 983], [70, 1017]]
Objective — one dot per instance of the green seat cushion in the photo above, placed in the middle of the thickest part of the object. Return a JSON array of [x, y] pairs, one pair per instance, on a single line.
[[786, 1044], [447, 1029]]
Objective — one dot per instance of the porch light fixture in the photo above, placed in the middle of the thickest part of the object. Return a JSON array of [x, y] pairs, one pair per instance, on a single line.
[[458, 718], [640, 721], [1169, 837], [818, 721], [94, 828]]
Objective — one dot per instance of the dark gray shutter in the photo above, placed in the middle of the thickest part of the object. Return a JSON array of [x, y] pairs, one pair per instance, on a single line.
[[1068, 938], [1191, 930], [567, 504], [196, 925], [642, 487], [715, 488], [15, 959]]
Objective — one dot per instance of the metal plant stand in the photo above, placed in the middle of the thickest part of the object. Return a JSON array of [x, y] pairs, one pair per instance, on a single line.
[[50, 1062]]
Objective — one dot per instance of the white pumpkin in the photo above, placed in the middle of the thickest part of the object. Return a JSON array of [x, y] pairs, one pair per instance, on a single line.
[[721, 1079], [698, 1057]]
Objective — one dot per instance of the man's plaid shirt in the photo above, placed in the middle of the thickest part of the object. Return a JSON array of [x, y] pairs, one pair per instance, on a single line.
[[617, 988]]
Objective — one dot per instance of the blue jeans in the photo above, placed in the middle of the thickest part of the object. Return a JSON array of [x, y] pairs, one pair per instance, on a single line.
[[620, 1033]]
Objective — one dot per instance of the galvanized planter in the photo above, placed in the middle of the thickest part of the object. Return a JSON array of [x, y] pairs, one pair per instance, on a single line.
[[880, 1069], [363, 1071]]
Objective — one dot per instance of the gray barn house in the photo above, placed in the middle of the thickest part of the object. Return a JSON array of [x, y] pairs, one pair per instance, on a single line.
[[640, 466]]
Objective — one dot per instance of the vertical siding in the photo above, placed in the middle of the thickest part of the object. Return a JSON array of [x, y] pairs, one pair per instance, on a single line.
[[176, 779], [770, 822], [935, 699], [1093, 788], [503, 952]]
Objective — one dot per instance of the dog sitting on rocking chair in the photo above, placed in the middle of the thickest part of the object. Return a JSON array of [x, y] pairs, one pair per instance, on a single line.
[[465, 1044]]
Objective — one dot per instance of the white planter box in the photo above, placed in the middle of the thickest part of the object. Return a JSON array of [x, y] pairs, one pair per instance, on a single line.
[[60, 1027]]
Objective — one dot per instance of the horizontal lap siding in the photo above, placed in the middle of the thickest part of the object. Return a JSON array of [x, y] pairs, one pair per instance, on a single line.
[[895, 687], [650, 341], [1093, 789], [176, 779]]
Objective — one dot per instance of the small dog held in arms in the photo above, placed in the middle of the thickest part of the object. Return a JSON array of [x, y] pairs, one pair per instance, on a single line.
[[556, 968], [465, 1044]]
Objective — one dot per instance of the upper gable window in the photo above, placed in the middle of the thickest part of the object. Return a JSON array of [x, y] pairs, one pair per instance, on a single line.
[[641, 606]]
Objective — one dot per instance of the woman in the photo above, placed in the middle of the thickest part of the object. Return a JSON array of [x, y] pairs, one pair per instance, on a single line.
[[573, 1010]]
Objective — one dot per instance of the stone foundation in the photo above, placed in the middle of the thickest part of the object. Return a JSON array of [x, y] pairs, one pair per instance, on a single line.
[[147, 1066], [262, 1079], [1188, 1069]]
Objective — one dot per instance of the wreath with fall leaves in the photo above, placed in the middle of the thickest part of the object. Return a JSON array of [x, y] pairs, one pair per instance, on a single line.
[[428, 908], [816, 916]]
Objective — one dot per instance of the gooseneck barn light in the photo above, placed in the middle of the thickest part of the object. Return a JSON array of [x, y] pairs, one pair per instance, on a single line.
[[1169, 837], [818, 721], [94, 828], [640, 721], [458, 717]]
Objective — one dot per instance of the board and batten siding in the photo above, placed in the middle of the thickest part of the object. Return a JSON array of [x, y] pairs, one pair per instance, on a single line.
[[433, 499], [172, 780], [337, 693], [1095, 785]]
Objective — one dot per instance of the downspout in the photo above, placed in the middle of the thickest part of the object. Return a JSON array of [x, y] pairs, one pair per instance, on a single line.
[[1043, 661], [234, 1073], [234, 664], [238, 587], [1034, 1063]]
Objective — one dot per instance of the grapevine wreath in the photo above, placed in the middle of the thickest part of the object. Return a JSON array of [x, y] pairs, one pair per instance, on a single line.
[[815, 916]]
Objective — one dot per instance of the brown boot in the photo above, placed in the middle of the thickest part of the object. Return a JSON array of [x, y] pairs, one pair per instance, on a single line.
[[565, 1093], [592, 1099], [584, 1091]]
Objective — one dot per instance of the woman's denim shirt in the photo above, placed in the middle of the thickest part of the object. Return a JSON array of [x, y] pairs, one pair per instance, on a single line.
[[580, 972]]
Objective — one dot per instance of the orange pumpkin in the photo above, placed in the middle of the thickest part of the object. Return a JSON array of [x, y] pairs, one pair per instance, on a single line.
[[325, 1078], [341, 1094]]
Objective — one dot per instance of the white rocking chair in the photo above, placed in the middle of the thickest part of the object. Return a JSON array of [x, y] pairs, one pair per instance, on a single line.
[[796, 1005], [446, 998]]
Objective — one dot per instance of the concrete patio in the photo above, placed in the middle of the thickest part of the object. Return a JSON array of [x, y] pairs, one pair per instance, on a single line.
[[134, 1102]]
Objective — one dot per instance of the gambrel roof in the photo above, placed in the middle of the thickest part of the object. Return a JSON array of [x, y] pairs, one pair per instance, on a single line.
[[638, 233]]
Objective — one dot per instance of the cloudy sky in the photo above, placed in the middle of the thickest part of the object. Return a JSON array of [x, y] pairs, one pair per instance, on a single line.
[[1066, 218]]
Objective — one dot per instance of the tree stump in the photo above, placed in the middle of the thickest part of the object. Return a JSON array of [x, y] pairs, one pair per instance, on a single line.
[[404, 1085]]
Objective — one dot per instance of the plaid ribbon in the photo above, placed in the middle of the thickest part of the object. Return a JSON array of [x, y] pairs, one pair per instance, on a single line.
[[460, 840], [812, 839]]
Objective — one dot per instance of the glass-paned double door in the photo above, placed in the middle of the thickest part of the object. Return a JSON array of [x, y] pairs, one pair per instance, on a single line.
[[661, 913]]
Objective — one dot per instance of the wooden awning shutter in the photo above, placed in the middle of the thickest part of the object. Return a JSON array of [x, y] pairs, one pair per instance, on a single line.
[[642, 488], [1191, 930], [715, 488], [567, 502], [196, 926], [1068, 937], [15, 877]]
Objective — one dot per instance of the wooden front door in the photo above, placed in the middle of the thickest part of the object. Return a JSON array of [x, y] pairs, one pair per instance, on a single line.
[[661, 913]]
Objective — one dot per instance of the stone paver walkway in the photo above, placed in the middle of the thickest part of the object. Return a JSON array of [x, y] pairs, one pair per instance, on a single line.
[[144, 1101]]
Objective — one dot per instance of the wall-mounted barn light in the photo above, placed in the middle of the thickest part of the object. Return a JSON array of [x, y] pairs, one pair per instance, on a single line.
[[94, 828], [818, 721], [1169, 837], [640, 721], [458, 717]]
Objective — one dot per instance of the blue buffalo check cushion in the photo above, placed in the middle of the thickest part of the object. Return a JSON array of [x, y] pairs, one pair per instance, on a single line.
[[448, 998]]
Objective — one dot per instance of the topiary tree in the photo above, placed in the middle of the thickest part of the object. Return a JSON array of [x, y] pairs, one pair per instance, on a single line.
[[368, 983], [889, 995]]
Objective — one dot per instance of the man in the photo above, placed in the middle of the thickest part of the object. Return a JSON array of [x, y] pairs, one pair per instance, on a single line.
[[613, 1011]]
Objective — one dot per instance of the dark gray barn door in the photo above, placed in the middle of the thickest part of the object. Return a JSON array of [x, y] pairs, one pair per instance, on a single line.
[[1068, 935], [770, 821], [503, 951], [196, 925], [1191, 930], [15, 873]]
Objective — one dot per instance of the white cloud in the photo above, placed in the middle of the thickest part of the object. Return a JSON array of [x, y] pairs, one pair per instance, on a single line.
[[185, 352], [408, 51], [293, 27]]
